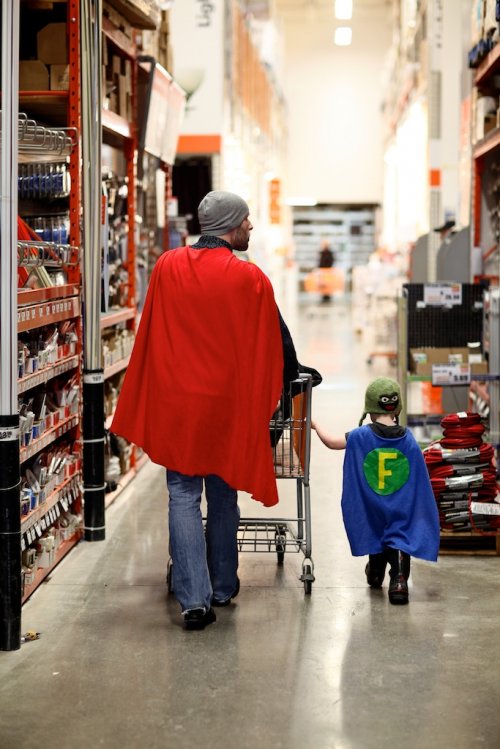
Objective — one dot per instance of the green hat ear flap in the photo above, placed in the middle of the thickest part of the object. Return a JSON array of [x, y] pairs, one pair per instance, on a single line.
[[362, 419]]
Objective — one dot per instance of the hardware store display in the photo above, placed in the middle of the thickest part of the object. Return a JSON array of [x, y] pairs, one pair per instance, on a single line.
[[447, 333], [463, 477], [440, 347], [49, 384]]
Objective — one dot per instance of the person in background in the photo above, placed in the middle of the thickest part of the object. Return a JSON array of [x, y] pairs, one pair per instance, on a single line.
[[388, 507], [446, 230], [204, 379], [326, 260]]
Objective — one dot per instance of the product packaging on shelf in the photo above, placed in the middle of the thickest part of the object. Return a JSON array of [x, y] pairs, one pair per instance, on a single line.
[[33, 76], [52, 45], [59, 77]]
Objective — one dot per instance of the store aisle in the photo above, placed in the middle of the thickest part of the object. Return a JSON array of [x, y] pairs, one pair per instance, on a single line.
[[341, 668]]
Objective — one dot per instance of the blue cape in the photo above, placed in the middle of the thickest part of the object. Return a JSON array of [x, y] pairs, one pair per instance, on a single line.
[[387, 498]]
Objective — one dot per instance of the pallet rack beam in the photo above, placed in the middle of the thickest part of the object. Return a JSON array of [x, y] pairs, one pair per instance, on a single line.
[[112, 318], [38, 315], [35, 296]]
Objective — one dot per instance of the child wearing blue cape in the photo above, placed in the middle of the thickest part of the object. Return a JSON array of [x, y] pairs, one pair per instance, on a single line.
[[389, 510]]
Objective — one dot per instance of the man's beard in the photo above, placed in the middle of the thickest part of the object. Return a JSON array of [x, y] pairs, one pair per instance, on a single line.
[[241, 240]]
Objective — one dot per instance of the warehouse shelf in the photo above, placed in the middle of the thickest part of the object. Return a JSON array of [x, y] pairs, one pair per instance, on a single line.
[[118, 38], [44, 375], [142, 14], [473, 376], [34, 296], [47, 438], [118, 366], [50, 107], [489, 66], [38, 315], [112, 318], [37, 515], [44, 572], [115, 124], [487, 145]]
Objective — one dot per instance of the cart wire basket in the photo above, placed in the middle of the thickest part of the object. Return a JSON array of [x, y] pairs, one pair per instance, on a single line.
[[290, 436], [290, 433]]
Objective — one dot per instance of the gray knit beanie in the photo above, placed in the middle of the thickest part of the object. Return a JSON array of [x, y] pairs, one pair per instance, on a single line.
[[219, 212]]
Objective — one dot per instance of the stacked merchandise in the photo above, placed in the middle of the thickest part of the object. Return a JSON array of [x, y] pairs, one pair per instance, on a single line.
[[463, 476]]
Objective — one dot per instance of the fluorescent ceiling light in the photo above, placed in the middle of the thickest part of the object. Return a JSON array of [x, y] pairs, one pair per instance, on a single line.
[[343, 36], [302, 201], [343, 9]]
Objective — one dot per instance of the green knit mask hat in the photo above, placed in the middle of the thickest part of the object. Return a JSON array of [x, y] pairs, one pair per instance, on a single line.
[[383, 396]]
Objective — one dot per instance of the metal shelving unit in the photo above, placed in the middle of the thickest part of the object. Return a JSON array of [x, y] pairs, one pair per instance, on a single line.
[[452, 328], [120, 135], [76, 132], [44, 147]]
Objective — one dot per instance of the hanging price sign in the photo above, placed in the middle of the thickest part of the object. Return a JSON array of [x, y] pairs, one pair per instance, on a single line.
[[442, 294], [450, 374]]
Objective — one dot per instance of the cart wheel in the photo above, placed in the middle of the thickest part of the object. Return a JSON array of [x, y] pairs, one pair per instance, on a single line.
[[280, 543], [307, 577], [170, 587]]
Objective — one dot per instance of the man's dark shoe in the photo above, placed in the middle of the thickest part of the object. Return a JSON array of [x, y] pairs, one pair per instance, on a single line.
[[216, 602], [198, 618], [375, 570]]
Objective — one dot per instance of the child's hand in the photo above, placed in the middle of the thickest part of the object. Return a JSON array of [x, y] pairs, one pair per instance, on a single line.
[[334, 443]]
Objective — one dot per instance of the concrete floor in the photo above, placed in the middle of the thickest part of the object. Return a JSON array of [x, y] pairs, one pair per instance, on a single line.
[[340, 669]]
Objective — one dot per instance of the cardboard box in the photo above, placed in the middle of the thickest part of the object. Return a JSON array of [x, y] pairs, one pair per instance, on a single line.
[[123, 91], [52, 45], [113, 102], [59, 77], [33, 76], [479, 368], [421, 360], [116, 65]]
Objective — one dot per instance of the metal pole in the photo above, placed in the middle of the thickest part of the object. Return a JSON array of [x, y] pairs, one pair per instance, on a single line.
[[494, 385], [93, 373], [403, 353], [10, 470]]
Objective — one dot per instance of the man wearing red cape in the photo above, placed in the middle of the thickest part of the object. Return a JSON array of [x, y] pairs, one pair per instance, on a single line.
[[204, 379]]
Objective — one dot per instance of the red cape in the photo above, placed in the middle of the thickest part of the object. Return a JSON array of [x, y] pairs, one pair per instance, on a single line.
[[206, 370]]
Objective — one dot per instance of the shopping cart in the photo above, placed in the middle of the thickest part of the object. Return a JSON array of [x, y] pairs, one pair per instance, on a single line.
[[290, 430], [290, 434]]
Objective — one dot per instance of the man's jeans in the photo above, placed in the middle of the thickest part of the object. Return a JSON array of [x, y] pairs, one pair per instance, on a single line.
[[202, 569]]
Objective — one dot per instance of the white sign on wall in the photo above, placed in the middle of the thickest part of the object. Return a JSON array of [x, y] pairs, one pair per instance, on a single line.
[[198, 62]]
